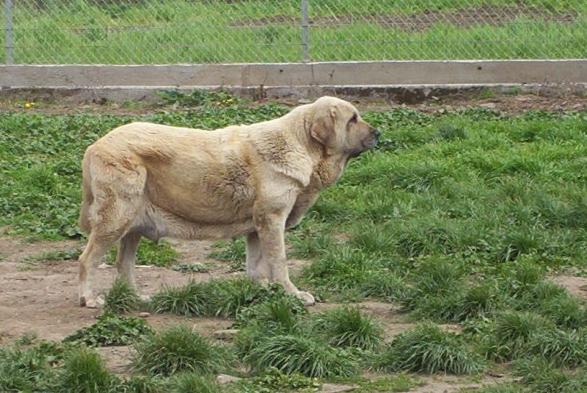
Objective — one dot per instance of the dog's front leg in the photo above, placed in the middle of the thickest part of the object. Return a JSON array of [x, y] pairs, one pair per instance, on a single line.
[[255, 268], [270, 228]]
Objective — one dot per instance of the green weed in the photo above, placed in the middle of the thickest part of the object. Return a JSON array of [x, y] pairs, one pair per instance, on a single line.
[[111, 329]]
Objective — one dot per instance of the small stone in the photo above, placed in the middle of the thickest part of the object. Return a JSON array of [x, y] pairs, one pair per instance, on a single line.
[[223, 379], [336, 388], [226, 334], [144, 314], [488, 105]]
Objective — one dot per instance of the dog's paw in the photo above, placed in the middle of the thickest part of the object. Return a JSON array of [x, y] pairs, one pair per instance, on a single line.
[[145, 298], [97, 302], [306, 297]]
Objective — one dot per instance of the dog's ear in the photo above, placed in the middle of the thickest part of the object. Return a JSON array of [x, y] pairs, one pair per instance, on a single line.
[[323, 130]]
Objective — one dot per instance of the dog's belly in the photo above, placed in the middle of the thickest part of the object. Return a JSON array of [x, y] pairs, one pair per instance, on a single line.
[[156, 223]]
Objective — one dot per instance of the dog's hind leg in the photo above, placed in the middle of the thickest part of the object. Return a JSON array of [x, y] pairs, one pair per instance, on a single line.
[[117, 200], [126, 257], [93, 253]]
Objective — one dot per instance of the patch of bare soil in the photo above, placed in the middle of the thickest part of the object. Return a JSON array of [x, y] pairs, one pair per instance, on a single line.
[[548, 100], [484, 15], [503, 103], [575, 285], [43, 298]]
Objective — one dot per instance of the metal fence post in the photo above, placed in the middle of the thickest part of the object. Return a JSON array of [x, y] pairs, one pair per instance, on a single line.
[[305, 31], [9, 39]]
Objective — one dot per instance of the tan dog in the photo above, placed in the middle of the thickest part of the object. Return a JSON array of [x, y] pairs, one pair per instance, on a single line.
[[256, 180]]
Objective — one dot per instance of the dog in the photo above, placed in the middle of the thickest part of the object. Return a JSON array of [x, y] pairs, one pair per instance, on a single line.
[[153, 181]]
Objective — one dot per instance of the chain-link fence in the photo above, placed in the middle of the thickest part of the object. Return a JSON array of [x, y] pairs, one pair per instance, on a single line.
[[214, 31]]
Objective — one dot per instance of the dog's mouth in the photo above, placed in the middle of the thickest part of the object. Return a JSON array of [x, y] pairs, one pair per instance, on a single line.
[[368, 144]]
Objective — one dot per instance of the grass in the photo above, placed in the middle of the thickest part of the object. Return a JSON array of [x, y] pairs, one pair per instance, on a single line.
[[192, 382], [179, 349], [460, 217], [512, 332], [298, 354], [428, 349], [27, 369], [121, 298], [105, 32], [160, 254], [232, 251], [348, 327], [84, 371]]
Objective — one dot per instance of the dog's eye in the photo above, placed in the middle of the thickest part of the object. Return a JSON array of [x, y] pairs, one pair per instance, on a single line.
[[353, 119]]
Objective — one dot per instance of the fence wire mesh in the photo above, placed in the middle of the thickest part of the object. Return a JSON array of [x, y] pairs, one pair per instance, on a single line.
[[214, 31]]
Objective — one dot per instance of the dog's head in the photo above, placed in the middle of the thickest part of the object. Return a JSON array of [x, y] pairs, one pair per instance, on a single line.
[[337, 125]]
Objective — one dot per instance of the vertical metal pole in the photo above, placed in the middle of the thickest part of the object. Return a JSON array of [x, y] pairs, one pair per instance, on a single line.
[[9, 39], [305, 31]]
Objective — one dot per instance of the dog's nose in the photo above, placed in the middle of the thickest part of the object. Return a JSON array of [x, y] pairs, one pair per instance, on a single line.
[[376, 133]]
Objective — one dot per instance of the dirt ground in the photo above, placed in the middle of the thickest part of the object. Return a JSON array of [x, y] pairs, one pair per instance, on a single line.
[[41, 298], [506, 103]]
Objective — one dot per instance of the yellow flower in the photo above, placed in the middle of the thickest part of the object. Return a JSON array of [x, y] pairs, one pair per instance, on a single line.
[[28, 105]]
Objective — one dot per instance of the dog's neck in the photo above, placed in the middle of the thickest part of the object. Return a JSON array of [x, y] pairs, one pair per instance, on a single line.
[[326, 167]]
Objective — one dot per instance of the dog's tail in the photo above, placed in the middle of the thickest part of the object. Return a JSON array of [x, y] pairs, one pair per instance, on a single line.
[[87, 195]]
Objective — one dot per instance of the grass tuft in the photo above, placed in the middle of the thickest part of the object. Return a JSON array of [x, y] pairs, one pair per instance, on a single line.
[[84, 372], [297, 354], [191, 383], [348, 327], [121, 298], [511, 333], [563, 348], [178, 349], [428, 349], [192, 299]]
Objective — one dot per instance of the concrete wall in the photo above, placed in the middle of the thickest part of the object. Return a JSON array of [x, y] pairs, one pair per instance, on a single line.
[[387, 73]]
